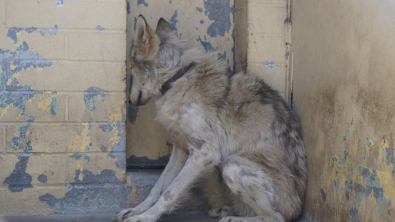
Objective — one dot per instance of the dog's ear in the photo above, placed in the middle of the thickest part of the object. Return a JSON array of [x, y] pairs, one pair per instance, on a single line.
[[146, 39], [163, 27]]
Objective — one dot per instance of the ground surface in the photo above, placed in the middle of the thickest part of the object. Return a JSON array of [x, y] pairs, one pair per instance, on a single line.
[[194, 216]]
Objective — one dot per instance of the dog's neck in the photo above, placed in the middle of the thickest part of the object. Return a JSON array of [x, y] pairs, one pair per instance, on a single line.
[[167, 85]]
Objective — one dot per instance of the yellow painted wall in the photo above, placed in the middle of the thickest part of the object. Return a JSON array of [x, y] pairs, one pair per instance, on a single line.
[[343, 80]]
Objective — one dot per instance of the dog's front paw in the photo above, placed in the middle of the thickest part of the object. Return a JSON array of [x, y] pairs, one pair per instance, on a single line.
[[125, 213], [221, 212], [139, 219]]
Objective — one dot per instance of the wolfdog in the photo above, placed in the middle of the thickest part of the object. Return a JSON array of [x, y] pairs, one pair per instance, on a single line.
[[232, 133]]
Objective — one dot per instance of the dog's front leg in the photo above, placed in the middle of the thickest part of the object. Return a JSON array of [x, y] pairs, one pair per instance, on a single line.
[[176, 162], [196, 164]]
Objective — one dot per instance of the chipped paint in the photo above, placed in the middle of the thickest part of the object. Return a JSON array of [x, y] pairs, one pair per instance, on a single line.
[[96, 192], [49, 104], [173, 22], [353, 182], [206, 45], [42, 178], [92, 92], [219, 12], [19, 180], [142, 2], [100, 28], [270, 64], [53, 31], [59, 3]]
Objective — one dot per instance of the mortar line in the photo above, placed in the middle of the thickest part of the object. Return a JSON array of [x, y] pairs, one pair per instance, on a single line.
[[66, 45], [66, 116]]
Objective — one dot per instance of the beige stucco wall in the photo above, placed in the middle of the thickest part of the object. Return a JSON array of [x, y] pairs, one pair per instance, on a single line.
[[263, 37], [343, 80], [62, 106], [205, 24]]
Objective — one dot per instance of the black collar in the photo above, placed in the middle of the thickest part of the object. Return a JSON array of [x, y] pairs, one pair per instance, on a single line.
[[178, 75]]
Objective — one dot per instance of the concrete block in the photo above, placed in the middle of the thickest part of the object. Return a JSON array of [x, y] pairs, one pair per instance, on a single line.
[[263, 48], [45, 107], [266, 19], [47, 46], [2, 14], [275, 75], [66, 138], [111, 15], [99, 46], [103, 106], [28, 200], [81, 169], [77, 76]]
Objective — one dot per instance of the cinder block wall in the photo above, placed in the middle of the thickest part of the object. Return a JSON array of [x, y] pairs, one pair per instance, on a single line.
[[263, 38], [62, 106]]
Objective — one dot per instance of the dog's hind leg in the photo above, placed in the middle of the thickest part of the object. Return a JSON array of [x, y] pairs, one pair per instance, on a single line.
[[176, 162], [254, 186], [217, 194]]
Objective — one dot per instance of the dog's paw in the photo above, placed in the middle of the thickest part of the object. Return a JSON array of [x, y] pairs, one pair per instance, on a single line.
[[232, 219], [124, 214], [139, 219], [221, 212]]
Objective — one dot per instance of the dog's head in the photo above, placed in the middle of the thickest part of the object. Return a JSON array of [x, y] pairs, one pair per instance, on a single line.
[[152, 56]]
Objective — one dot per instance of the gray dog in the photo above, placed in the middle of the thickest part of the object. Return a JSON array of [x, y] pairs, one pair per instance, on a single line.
[[231, 132]]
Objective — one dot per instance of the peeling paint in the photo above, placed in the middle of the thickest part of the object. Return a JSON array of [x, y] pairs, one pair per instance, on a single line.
[[142, 2], [270, 64], [390, 159], [89, 95], [323, 195], [19, 180], [59, 3], [42, 178], [82, 156], [218, 11], [53, 31], [199, 9], [128, 7], [206, 45], [100, 28], [96, 192], [173, 22]]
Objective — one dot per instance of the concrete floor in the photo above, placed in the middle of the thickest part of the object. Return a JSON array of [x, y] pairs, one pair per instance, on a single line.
[[194, 216]]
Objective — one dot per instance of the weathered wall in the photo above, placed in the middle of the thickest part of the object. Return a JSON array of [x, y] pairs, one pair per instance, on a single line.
[[206, 24], [343, 65], [262, 44], [62, 106]]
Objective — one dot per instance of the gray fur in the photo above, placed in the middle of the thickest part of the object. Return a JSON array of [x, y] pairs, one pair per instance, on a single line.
[[232, 133]]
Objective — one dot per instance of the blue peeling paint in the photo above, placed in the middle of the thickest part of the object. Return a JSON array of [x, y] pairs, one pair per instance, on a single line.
[[59, 3], [199, 9], [354, 213], [120, 159], [390, 159], [106, 127], [89, 95], [78, 156], [17, 142], [42, 178], [99, 28], [103, 148], [201, 22], [218, 11], [53, 31], [128, 7], [367, 142], [173, 22], [19, 179], [96, 192], [371, 187], [139, 2], [346, 133], [54, 106], [271, 64], [206, 45], [323, 195]]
